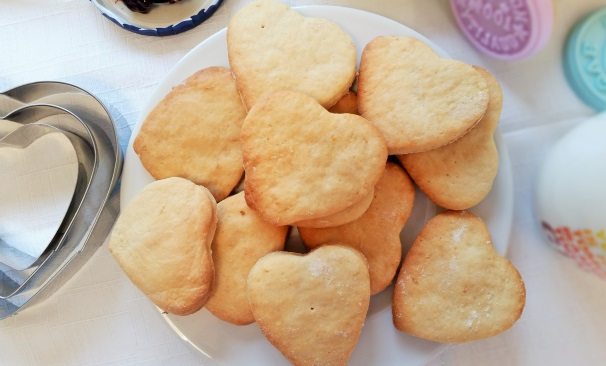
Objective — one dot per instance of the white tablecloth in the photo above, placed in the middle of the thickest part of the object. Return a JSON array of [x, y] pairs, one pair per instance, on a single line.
[[99, 318]]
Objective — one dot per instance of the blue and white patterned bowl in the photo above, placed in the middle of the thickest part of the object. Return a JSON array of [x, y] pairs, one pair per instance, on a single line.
[[164, 19]]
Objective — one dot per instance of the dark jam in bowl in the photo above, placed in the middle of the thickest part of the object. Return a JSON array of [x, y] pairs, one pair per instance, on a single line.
[[144, 6]]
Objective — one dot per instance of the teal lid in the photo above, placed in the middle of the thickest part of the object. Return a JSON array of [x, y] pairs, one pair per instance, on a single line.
[[585, 59]]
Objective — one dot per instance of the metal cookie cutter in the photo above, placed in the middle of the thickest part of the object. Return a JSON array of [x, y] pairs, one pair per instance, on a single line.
[[24, 285], [83, 115]]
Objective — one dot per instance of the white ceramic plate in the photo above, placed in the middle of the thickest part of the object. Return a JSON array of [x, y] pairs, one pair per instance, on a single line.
[[380, 343], [164, 19]]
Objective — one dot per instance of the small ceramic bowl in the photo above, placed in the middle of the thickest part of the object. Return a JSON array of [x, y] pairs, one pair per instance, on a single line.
[[164, 19]]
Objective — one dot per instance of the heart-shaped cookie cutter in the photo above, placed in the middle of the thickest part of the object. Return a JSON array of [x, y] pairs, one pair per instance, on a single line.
[[70, 257], [64, 121], [14, 254]]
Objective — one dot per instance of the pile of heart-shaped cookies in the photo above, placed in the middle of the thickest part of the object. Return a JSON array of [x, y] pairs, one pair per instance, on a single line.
[[284, 115]]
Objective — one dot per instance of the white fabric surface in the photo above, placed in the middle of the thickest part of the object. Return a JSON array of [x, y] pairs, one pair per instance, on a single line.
[[99, 318]]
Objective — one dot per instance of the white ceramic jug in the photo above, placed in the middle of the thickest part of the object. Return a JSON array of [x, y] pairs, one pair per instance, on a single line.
[[571, 195]]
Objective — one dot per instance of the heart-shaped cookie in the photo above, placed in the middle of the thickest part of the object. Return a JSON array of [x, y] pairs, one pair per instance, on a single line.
[[162, 241], [240, 240], [38, 183], [303, 162], [194, 131], [419, 100], [311, 307], [272, 47], [459, 175], [350, 214], [377, 232], [453, 286], [347, 104]]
